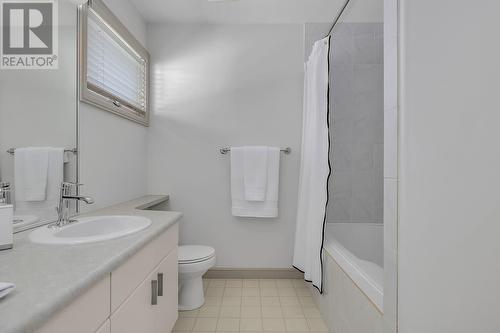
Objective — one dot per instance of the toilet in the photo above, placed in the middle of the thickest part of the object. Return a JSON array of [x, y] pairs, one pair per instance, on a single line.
[[194, 261]]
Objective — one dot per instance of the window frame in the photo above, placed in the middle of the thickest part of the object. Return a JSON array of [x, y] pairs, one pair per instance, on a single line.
[[90, 96]]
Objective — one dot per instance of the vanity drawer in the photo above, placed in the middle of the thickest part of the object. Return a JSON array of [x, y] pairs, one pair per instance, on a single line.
[[128, 276], [85, 314]]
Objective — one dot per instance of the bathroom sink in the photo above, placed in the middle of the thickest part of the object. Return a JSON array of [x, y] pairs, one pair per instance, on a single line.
[[90, 229]]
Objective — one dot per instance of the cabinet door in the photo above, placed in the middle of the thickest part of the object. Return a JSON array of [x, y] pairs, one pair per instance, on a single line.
[[167, 303], [137, 313], [85, 314], [128, 276]]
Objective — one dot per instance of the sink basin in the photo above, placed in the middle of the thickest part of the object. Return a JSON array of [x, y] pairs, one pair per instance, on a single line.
[[90, 229]]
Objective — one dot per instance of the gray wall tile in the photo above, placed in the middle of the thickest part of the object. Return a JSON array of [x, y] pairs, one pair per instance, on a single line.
[[357, 114]]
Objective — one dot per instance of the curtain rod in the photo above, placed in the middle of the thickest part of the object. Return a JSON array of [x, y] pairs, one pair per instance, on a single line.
[[337, 18]]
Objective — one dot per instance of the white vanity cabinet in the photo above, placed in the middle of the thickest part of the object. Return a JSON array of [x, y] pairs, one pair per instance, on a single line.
[[149, 308], [138, 296]]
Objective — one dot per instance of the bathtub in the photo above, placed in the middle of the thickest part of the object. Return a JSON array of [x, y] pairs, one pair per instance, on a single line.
[[358, 249]]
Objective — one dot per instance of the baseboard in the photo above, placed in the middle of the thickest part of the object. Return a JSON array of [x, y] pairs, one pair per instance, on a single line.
[[253, 273]]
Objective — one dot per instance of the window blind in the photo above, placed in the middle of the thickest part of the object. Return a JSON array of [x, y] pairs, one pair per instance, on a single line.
[[114, 69]]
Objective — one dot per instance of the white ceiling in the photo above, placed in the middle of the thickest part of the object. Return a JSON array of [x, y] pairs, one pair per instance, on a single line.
[[257, 11]]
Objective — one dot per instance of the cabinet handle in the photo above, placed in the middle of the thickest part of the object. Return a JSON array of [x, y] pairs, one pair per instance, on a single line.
[[160, 284], [154, 292]]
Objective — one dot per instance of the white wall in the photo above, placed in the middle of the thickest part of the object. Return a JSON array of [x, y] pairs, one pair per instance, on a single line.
[[449, 267], [225, 85], [113, 150]]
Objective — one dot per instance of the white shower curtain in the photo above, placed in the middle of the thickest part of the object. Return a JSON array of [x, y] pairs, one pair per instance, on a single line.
[[315, 166]]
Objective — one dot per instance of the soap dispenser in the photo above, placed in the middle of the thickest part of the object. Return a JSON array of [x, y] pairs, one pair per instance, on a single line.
[[6, 218]]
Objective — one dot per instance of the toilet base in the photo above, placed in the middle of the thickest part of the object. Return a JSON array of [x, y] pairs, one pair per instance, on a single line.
[[191, 294]]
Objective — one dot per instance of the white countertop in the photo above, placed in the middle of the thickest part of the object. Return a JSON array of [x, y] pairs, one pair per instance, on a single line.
[[49, 277]]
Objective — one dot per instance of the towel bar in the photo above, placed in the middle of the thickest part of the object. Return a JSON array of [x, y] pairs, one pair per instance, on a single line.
[[74, 151], [227, 150]]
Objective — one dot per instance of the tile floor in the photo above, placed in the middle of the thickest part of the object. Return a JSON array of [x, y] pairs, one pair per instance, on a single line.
[[244, 305]]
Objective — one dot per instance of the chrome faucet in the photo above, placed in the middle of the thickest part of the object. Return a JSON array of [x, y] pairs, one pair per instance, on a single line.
[[5, 193], [63, 208]]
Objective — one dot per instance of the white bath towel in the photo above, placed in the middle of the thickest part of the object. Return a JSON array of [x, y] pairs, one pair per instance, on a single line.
[[30, 166], [255, 173], [54, 178], [244, 208]]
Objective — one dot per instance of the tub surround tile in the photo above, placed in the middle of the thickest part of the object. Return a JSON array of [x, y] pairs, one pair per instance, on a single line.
[[390, 214], [391, 143], [390, 288], [314, 31], [357, 117], [345, 308]]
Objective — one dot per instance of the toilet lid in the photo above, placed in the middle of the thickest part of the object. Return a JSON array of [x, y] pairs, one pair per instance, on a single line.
[[195, 253]]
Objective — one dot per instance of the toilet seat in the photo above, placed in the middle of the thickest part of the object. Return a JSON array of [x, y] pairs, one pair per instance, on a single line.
[[191, 254]]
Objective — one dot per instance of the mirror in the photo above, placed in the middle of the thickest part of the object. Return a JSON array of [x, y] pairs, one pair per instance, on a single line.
[[38, 108]]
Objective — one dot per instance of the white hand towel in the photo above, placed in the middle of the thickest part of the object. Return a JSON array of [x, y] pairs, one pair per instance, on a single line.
[[31, 167], [244, 208], [255, 173], [55, 174], [6, 288]]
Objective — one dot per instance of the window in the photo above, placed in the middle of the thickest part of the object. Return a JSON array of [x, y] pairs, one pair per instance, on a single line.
[[114, 66]]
